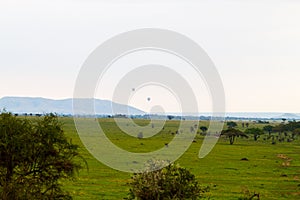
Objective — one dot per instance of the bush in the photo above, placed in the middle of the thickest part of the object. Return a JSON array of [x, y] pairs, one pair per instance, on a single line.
[[35, 156], [171, 182]]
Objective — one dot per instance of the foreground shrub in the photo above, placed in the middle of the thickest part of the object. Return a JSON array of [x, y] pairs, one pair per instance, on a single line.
[[171, 182], [35, 156]]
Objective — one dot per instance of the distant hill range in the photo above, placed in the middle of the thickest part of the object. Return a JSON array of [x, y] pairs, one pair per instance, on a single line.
[[37, 105], [289, 116], [263, 115]]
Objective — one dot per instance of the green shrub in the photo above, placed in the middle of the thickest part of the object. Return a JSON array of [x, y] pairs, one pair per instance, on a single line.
[[171, 182]]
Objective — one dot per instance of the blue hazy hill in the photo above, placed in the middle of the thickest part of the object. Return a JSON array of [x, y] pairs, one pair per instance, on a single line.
[[64, 106]]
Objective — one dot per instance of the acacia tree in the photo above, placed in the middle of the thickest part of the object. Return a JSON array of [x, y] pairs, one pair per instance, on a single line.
[[232, 133], [256, 132], [268, 129], [283, 120], [231, 124], [34, 157], [170, 117], [203, 129]]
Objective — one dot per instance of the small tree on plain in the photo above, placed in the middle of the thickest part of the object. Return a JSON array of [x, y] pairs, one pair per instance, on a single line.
[[268, 129], [256, 132], [232, 133], [203, 129], [170, 117]]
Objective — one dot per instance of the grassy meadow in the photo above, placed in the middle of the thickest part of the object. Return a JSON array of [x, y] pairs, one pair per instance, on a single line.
[[273, 171]]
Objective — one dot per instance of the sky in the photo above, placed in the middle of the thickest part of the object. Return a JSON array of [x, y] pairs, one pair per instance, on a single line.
[[255, 46]]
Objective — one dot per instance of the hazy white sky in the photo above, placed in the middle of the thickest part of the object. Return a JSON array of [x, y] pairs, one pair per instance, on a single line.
[[255, 45]]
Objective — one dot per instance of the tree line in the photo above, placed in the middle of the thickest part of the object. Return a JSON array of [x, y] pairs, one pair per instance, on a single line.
[[282, 132]]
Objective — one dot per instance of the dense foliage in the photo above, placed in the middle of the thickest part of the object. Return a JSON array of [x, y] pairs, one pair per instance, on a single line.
[[35, 156]]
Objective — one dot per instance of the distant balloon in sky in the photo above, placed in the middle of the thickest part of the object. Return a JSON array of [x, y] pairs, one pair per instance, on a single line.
[[133, 89], [148, 98]]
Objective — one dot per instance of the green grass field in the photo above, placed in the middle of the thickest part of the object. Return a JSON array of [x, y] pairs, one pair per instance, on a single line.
[[223, 170]]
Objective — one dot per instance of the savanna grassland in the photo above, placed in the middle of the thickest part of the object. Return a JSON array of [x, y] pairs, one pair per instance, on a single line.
[[272, 170]]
